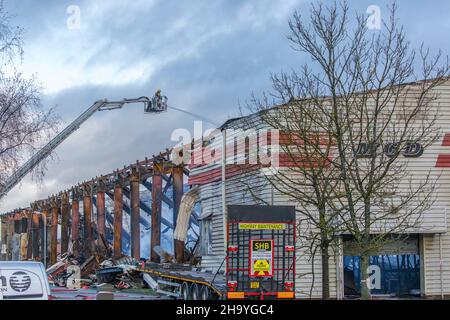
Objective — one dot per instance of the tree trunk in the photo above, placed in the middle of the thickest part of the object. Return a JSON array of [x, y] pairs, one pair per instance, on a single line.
[[365, 291], [325, 272]]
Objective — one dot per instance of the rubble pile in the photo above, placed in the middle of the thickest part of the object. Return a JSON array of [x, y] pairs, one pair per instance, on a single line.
[[98, 272], [81, 272]]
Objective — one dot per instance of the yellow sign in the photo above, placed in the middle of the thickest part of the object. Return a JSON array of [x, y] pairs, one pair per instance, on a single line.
[[254, 285], [261, 268], [262, 226]]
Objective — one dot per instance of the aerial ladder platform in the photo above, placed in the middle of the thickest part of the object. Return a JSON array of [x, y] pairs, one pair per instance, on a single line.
[[156, 104]]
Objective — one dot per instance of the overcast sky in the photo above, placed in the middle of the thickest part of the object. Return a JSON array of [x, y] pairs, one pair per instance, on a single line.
[[206, 56]]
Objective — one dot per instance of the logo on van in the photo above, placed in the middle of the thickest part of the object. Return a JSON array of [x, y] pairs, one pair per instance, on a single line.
[[2, 283], [20, 281]]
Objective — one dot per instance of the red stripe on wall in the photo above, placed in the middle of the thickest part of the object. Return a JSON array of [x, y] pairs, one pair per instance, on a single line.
[[233, 170], [216, 174], [446, 141], [443, 161]]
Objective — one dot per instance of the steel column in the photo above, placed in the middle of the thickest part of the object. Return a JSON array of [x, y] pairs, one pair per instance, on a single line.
[[65, 223], [135, 214], [87, 214], [54, 234], [156, 213], [118, 210], [177, 177]]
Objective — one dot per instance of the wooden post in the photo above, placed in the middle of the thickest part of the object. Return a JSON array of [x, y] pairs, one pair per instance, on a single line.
[[101, 209], [87, 213], [24, 235], [135, 214], [156, 213], [30, 234], [177, 176], [43, 226], [54, 233], [118, 209], [35, 234], [65, 222], [75, 215]]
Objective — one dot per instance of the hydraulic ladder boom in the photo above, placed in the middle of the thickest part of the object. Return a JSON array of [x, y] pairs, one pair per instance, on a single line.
[[156, 105]]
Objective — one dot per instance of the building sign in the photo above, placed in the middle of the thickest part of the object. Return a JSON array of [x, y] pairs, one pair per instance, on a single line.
[[262, 226], [410, 150], [261, 258]]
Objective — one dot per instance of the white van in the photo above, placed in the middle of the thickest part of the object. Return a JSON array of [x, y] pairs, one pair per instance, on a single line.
[[23, 280]]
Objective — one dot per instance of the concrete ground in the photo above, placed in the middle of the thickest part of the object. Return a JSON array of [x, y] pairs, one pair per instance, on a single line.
[[59, 293]]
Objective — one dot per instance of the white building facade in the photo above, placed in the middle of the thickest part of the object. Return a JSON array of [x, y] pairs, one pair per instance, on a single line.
[[416, 265]]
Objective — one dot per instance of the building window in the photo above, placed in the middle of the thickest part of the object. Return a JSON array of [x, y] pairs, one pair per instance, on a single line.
[[394, 275]]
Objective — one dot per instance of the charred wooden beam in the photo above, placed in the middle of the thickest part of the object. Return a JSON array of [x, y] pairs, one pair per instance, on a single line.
[[135, 214], [177, 177], [65, 212], [118, 212], [156, 214], [43, 235], [75, 224], [101, 208], [147, 184], [29, 235], [35, 235], [87, 217], [54, 232]]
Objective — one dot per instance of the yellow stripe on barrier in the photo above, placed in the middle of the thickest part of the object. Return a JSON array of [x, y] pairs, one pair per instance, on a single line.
[[235, 295], [180, 278], [285, 295]]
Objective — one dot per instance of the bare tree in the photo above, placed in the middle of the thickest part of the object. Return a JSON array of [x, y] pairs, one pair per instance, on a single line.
[[305, 177], [369, 101], [24, 122]]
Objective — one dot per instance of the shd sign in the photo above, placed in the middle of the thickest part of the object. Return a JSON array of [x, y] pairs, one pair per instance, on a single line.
[[261, 258]]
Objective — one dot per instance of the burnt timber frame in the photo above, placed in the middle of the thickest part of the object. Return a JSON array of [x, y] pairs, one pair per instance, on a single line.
[[63, 211]]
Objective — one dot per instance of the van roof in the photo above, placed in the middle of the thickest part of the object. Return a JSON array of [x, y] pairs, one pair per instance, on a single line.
[[22, 264]]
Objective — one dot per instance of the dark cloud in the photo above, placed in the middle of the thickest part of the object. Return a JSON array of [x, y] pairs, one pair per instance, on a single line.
[[207, 56]]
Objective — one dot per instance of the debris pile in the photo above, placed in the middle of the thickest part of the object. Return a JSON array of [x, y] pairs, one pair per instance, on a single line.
[[94, 271], [100, 273], [72, 272]]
